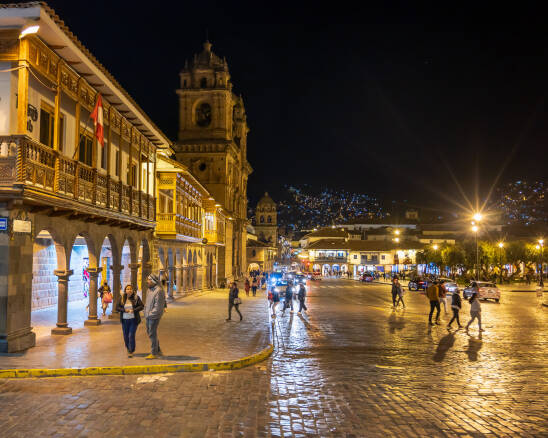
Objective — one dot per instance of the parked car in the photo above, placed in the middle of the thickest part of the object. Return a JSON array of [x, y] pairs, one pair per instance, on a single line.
[[484, 289], [299, 278], [367, 277], [450, 286], [419, 283], [314, 276]]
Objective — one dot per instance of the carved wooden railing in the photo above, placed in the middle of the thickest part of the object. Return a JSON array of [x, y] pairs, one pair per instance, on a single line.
[[26, 162]]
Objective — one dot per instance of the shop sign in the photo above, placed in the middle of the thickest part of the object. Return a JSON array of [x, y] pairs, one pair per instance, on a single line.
[[3, 224], [20, 226]]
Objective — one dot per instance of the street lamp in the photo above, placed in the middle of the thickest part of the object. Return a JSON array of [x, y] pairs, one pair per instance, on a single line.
[[541, 247], [475, 229], [435, 248], [500, 245]]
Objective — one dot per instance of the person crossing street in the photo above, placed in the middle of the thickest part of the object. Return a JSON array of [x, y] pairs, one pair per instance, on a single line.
[[432, 293], [301, 295]]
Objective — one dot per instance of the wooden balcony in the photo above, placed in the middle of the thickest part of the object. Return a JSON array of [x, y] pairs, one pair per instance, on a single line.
[[214, 237], [176, 226], [36, 172]]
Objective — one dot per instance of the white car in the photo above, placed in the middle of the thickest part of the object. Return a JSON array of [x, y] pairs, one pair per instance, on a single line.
[[484, 289]]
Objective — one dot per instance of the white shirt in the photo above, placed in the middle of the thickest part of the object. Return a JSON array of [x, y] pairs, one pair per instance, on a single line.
[[127, 307]]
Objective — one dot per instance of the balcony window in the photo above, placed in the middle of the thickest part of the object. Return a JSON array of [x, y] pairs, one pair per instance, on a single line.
[[47, 126], [103, 152], [117, 164], [85, 150]]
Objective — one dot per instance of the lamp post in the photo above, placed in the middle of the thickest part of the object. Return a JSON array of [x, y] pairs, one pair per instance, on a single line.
[[475, 229], [540, 246], [501, 245], [435, 248]]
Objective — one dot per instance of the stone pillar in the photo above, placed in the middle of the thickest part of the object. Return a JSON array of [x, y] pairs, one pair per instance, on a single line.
[[62, 303], [145, 272], [116, 289], [170, 278], [179, 279], [92, 316], [134, 267]]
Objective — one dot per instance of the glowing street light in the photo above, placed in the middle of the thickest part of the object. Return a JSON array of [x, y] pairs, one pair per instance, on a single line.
[[500, 245], [475, 229], [397, 232], [397, 239], [435, 247], [478, 217]]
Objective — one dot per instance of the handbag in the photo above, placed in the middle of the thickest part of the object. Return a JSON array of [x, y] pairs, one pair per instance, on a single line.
[[107, 297], [237, 301]]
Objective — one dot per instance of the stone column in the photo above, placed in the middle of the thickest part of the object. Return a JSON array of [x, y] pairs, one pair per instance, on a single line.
[[116, 289], [134, 267], [170, 277], [179, 279], [145, 271], [62, 303], [92, 316]]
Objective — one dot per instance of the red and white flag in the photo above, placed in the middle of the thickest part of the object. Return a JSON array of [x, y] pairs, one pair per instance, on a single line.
[[97, 116]]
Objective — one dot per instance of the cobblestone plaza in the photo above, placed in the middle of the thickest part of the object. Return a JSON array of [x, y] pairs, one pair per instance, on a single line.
[[351, 367]]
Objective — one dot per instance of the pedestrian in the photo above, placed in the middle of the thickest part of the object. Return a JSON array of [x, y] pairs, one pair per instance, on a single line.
[[456, 304], [106, 297], [288, 302], [154, 309], [270, 299], [254, 286], [275, 300], [246, 286], [234, 301], [301, 295], [432, 293], [443, 297], [129, 305], [399, 292], [475, 311], [395, 290]]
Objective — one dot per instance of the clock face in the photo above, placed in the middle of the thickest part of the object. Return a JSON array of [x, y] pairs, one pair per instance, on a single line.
[[203, 115]]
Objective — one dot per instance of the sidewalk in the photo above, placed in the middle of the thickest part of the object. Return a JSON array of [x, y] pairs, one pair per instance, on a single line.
[[192, 330]]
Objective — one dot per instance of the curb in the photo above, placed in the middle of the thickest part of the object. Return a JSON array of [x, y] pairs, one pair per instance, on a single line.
[[140, 369]]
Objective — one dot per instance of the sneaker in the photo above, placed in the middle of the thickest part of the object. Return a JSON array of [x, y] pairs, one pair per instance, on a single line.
[[129, 354], [151, 356], [160, 353], [481, 330], [298, 313], [438, 322], [431, 323], [292, 311], [460, 326], [228, 319], [448, 327]]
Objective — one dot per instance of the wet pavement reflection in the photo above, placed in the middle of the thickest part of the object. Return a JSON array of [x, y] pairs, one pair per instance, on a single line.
[[350, 367]]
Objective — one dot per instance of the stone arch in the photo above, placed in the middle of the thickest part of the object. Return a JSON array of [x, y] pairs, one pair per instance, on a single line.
[[92, 252], [132, 247]]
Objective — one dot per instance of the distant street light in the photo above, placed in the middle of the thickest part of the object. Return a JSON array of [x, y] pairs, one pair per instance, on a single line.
[[478, 217], [500, 245], [397, 232], [435, 247], [541, 247], [475, 229], [397, 239]]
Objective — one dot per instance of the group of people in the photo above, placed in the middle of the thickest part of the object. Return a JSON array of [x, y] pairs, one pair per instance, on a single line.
[[437, 296], [288, 297]]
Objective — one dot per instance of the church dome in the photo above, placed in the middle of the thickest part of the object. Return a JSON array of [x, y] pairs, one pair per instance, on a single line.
[[266, 201]]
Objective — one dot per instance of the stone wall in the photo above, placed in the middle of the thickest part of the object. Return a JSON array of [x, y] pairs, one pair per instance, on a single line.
[[44, 282]]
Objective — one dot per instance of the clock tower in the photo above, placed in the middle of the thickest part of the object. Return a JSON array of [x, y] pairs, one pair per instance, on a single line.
[[212, 143]]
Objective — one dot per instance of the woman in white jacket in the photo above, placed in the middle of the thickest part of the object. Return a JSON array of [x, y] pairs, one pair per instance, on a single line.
[[475, 311]]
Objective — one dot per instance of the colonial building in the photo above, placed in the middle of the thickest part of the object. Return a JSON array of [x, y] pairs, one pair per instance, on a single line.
[[260, 255], [75, 213], [190, 230], [266, 220], [212, 143]]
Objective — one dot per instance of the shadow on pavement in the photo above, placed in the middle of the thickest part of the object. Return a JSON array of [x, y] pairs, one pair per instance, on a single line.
[[395, 322], [474, 346], [445, 344]]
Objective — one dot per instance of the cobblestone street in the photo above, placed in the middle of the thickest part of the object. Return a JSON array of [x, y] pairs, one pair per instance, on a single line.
[[351, 367]]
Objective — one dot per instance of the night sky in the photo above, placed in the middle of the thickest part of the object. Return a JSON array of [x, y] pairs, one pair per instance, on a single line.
[[390, 99]]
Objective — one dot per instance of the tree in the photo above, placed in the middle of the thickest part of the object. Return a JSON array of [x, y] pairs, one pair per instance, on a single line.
[[453, 256]]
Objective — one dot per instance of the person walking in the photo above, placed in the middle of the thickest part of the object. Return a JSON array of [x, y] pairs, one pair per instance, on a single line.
[[432, 292], [288, 302], [254, 285], [129, 305], [246, 286], [275, 300], [475, 311], [234, 301], [443, 297], [106, 297], [456, 304], [154, 309], [396, 289], [301, 295]]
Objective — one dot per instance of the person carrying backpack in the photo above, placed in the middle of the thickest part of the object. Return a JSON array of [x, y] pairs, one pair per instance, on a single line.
[[301, 295], [288, 297], [456, 305]]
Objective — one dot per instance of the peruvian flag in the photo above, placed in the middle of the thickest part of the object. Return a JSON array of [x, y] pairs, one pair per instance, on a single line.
[[97, 116]]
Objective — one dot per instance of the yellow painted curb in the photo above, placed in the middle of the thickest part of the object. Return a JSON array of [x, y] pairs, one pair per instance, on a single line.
[[140, 369]]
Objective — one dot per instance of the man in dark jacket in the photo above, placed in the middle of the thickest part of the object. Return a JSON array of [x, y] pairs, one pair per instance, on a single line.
[[154, 309], [432, 292], [288, 297], [456, 305], [301, 295]]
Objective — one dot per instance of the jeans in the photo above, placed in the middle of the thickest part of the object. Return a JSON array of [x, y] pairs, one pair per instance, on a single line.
[[442, 301], [288, 303], [236, 306], [254, 290], [455, 317], [152, 332], [394, 296], [434, 305], [400, 299], [129, 327], [474, 315], [302, 306]]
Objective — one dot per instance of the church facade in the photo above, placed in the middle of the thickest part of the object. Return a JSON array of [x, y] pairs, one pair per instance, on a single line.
[[212, 143]]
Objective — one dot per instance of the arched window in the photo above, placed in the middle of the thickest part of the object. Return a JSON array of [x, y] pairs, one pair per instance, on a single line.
[[269, 219], [203, 83], [253, 253], [184, 83], [262, 219]]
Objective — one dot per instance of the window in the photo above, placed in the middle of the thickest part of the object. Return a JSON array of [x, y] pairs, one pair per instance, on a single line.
[[47, 126], [134, 175], [383, 257], [103, 152], [262, 219], [203, 83], [269, 220], [85, 150], [355, 256], [144, 181], [117, 164], [184, 83]]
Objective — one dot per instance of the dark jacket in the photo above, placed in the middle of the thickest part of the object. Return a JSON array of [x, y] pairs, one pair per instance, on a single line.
[[137, 303], [289, 292], [456, 301], [396, 289], [232, 295], [302, 293]]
